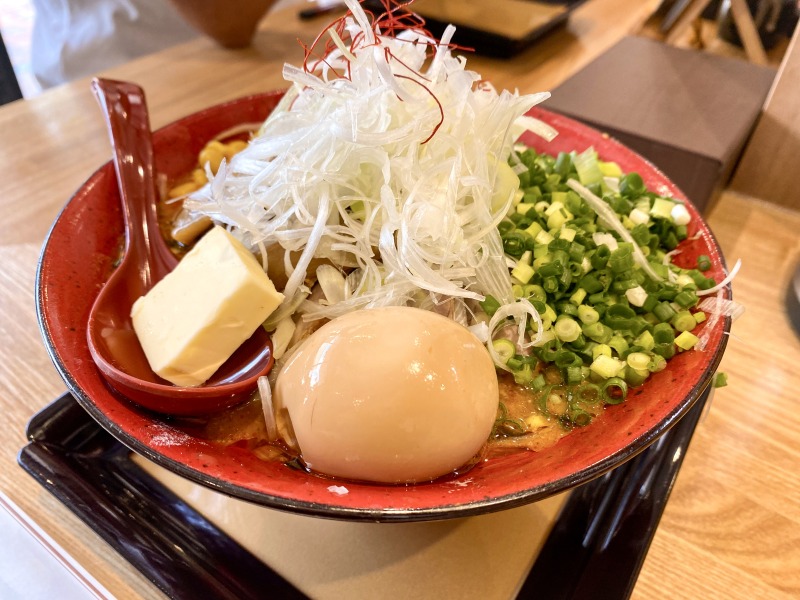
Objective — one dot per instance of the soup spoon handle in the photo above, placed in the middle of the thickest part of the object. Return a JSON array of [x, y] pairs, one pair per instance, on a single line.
[[125, 112]]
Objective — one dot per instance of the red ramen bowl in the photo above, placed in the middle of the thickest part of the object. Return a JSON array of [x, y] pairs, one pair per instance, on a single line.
[[78, 257]]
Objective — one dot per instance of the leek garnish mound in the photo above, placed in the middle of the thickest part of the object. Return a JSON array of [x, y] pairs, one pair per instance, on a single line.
[[389, 159], [394, 165]]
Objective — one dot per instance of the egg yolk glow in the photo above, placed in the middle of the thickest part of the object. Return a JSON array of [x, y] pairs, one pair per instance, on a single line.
[[391, 395]]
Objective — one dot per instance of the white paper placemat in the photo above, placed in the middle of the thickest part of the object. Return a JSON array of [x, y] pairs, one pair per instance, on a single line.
[[486, 556]]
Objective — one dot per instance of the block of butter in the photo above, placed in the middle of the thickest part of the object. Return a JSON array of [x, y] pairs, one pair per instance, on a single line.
[[196, 317]]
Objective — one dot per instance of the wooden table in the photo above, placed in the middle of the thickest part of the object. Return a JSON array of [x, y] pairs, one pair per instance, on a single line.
[[732, 526]]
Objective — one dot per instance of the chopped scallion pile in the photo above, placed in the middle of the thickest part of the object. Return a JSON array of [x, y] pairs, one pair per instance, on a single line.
[[608, 320]]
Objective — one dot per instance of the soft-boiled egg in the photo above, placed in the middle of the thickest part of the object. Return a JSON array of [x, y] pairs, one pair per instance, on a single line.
[[392, 395]]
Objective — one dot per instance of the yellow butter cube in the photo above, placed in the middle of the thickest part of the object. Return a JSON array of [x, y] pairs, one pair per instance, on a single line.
[[195, 318]]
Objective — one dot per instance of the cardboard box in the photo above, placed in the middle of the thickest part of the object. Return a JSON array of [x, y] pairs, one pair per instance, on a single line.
[[688, 112]]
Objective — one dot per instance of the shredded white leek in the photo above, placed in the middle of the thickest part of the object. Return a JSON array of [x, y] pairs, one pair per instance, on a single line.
[[610, 218], [716, 314], [481, 331], [265, 392], [667, 261], [718, 307], [333, 284], [517, 314], [721, 306], [388, 173], [724, 282], [540, 128]]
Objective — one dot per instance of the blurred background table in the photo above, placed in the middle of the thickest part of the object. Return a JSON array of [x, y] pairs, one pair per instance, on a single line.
[[732, 527]]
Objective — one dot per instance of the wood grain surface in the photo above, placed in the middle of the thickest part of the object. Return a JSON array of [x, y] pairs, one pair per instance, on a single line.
[[732, 527]]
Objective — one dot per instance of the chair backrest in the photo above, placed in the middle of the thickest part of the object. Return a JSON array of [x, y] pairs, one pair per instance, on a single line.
[[768, 168], [9, 86]]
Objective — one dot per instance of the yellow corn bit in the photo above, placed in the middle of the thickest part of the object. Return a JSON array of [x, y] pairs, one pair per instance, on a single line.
[[183, 189], [212, 154], [199, 177], [234, 147]]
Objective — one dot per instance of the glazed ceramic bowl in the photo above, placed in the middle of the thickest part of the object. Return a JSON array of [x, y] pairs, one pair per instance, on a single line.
[[77, 258]]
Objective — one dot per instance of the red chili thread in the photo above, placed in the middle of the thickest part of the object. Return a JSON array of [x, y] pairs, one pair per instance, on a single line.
[[438, 103], [395, 18]]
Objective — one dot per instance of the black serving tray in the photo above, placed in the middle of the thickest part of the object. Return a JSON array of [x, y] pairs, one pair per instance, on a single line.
[[598, 542], [490, 42]]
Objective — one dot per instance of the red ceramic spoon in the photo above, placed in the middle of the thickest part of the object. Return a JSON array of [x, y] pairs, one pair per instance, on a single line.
[[112, 341]]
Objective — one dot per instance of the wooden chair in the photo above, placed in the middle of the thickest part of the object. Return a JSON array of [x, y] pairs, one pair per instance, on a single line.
[[685, 12], [768, 167]]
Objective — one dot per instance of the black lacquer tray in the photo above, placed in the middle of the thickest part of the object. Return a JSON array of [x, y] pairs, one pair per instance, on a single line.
[[598, 542]]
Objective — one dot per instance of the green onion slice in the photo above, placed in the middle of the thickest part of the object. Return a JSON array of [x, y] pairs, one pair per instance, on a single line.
[[614, 390]]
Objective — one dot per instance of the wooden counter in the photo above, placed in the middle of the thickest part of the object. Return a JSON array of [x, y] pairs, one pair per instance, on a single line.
[[732, 526]]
